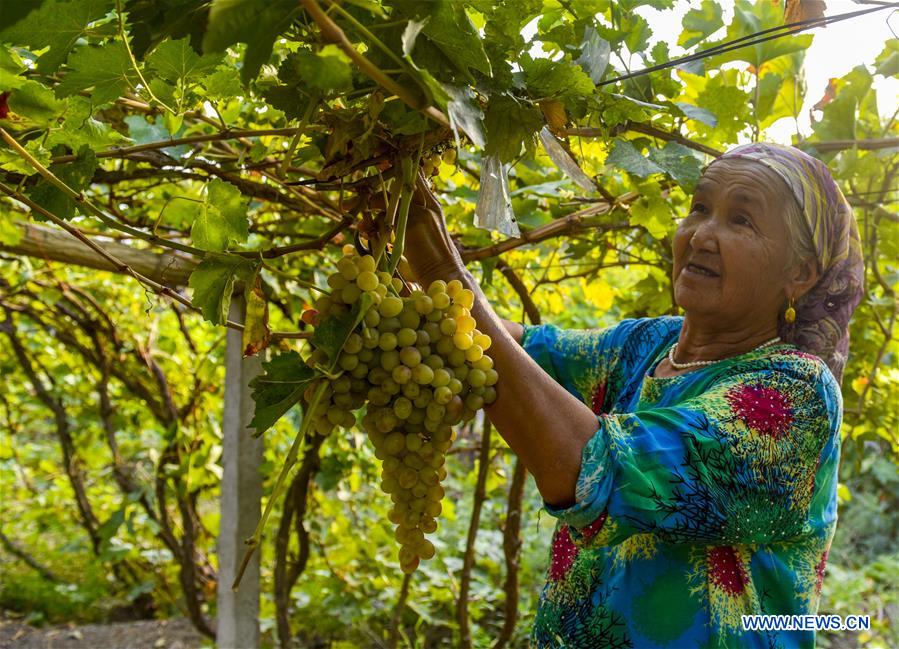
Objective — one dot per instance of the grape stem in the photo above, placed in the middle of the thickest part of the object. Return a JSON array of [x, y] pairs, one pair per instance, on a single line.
[[408, 165], [280, 482]]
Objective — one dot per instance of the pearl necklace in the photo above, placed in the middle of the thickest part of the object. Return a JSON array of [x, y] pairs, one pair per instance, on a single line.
[[683, 366]]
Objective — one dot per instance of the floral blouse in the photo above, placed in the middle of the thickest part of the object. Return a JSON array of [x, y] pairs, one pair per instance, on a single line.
[[701, 498]]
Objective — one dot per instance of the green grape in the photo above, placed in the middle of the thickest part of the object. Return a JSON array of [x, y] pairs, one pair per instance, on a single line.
[[394, 443], [348, 361], [453, 287], [353, 344], [410, 356], [443, 395], [413, 442], [387, 341], [437, 286], [482, 340], [428, 525], [390, 359], [473, 353], [491, 377], [434, 362], [336, 282], [423, 304], [413, 460], [441, 301], [489, 395], [366, 355], [465, 298], [348, 270], [435, 411], [444, 346], [456, 357], [422, 374], [411, 389], [409, 318], [441, 378], [366, 263], [425, 549], [461, 340], [402, 408], [448, 327], [402, 374], [372, 318], [406, 337], [465, 324], [391, 325], [476, 378], [390, 386], [474, 402], [350, 293]]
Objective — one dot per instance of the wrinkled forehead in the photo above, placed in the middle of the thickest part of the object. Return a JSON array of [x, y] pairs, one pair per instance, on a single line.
[[749, 175]]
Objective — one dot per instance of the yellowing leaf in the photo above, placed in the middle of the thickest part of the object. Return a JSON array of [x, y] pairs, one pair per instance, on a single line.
[[799, 10], [599, 293], [256, 333]]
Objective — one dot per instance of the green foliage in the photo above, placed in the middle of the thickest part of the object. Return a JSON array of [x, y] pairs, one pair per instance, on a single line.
[[278, 389]]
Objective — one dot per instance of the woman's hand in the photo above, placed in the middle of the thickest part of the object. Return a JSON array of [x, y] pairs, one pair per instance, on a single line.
[[429, 249]]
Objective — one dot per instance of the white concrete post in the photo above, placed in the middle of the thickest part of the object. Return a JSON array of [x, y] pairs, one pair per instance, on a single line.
[[238, 613]]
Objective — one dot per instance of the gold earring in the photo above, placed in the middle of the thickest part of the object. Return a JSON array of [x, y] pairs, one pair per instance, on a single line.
[[790, 313]]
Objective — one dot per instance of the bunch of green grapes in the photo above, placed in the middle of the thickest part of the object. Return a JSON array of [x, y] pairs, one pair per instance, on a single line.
[[417, 364]]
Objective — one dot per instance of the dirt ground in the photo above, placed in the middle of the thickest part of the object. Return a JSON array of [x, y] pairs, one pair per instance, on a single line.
[[147, 634]]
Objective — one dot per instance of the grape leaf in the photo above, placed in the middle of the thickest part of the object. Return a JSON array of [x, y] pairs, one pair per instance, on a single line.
[[327, 70], [37, 103], [76, 174], [595, 51], [546, 78], [176, 62], [699, 114], [213, 283], [451, 30], [699, 23], [510, 123], [887, 62], [107, 69], [57, 25], [11, 66], [625, 156], [222, 218], [679, 162], [10, 233], [224, 83], [750, 19], [651, 212], [331, 335], [12, 161], [278, 389], [254, 22]]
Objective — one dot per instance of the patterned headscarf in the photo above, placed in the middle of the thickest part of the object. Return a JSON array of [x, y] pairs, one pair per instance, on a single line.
[[822, 314]]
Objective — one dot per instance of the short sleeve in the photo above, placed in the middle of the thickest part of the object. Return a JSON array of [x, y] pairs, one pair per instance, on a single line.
[[738, 463]]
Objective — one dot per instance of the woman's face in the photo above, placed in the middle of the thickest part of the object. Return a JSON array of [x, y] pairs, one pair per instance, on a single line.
[[730, 252]]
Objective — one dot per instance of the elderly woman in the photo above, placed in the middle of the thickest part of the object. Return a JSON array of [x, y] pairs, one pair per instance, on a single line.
[[691, 461]]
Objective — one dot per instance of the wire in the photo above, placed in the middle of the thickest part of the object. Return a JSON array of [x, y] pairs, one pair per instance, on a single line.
[[784, 30]]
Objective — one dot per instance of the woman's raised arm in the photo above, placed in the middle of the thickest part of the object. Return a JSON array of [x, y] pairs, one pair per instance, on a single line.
[[544, 424]]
